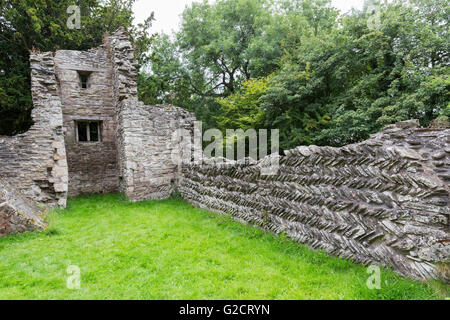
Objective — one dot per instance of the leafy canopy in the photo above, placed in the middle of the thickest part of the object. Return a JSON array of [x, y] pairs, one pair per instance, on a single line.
[[299, 67]]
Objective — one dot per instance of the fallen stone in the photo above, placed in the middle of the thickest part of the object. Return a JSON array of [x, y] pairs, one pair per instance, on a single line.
[[17, 213]]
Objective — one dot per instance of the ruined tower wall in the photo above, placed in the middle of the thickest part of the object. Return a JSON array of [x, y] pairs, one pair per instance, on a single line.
[[149, 150], [35, 162], [93, 166], [135, 144], [125, 88], [382, 201], [144, 135]]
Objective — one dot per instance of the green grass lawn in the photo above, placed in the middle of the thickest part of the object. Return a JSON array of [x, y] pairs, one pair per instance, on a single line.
[[170, 250]]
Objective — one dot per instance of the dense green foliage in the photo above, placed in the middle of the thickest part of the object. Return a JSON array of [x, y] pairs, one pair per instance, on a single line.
[[170, 250], [331, 79], [340, 87], [41, 24], [298, 66]]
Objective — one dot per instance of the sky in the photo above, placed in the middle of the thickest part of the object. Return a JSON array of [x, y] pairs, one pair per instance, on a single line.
[[167, 12]]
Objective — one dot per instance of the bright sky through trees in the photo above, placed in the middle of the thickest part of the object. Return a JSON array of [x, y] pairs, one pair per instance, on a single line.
[[167, 12]]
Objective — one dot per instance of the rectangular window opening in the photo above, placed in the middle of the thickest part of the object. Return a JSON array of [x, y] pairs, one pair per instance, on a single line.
[[84, 79], [88, 131], [82, 131]]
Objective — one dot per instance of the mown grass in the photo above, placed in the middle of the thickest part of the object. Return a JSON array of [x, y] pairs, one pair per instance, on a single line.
[[170, 250]]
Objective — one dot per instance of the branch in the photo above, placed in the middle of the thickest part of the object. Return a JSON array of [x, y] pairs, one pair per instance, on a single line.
[[209, 93]]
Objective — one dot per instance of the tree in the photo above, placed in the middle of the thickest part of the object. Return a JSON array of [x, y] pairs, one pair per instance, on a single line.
[[339, 89], [223, 45], [215, 40], [242, 110], [163, 80]]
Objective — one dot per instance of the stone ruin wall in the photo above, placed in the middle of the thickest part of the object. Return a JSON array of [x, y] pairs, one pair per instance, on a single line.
[[149, 169], [35, 162], [134, 152], [382, 201], [93, 166], [144, 135], [433, 145]]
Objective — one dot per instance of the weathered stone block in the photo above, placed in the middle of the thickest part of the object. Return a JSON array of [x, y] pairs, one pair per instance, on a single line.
[[17, 213]]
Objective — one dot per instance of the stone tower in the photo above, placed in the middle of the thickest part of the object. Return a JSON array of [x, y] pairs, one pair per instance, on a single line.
[[89, 119]]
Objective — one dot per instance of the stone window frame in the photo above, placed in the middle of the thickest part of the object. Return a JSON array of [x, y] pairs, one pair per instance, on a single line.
[[88, 131], [87, 74]]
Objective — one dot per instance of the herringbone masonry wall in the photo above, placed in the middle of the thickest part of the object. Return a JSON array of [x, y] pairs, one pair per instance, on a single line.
[[382, 201]]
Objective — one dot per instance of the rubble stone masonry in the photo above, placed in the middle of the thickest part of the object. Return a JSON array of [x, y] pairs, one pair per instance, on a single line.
[[93, 165], [149, 170], [145, 133], [35, 162]]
